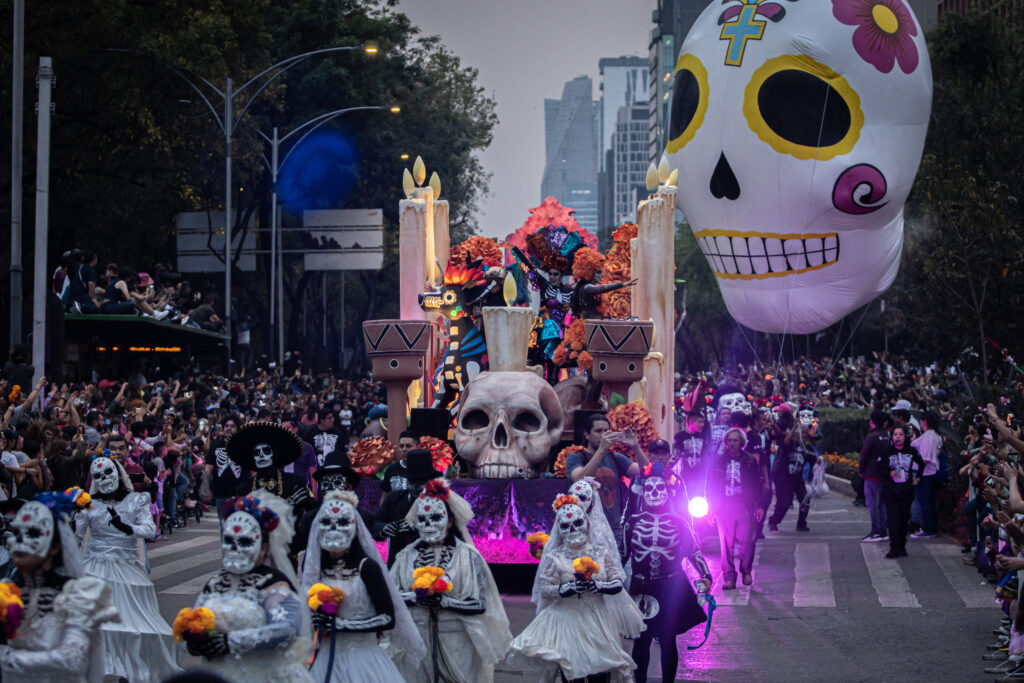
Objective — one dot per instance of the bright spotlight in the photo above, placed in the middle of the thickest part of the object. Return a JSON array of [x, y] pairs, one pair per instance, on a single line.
[[698, 507]]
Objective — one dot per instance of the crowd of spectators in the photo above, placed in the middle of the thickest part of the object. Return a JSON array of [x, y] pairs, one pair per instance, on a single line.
[[85, 287]]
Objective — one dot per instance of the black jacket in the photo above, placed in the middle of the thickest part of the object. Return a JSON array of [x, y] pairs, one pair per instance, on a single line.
[[877, 446], [723, 488]]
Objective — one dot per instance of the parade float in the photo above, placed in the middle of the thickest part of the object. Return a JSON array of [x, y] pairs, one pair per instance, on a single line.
[[477, 346]]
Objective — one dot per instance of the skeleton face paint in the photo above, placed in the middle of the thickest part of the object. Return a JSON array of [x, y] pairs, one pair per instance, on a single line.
[[573, 525], [105, 474], [31, 530], [337, 525], [655, 492], [240, 542], [431, 519], [263, 456], [584, 492], [333, 482]]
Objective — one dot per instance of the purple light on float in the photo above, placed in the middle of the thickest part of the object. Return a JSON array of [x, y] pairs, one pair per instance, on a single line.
[[698, 507]]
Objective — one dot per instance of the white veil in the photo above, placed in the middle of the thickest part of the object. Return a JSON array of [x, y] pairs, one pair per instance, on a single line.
[[459, 510], [71, 553], [280, 539], [404, 641]]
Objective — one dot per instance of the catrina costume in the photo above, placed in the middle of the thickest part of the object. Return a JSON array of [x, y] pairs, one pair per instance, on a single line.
[[58, 639], [657, 539]]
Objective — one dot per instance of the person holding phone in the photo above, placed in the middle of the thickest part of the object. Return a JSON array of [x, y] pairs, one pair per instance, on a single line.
[[905, 467]]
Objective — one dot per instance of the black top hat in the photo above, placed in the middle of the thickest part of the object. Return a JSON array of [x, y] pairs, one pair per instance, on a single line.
[[419, 466], [337, 462], [287, 445]]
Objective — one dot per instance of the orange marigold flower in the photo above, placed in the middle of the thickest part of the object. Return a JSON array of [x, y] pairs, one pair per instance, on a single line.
[[559, 468], [587, 263]]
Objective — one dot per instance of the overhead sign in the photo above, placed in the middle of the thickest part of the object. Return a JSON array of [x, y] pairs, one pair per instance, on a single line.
[[344, 239], [199, 232]]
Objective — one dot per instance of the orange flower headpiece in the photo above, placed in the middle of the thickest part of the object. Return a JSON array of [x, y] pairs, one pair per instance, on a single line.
[[587, 263], [564, 499]]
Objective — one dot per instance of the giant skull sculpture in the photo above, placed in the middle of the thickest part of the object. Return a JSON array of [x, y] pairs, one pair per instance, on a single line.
[[797, 128], [507, 422]]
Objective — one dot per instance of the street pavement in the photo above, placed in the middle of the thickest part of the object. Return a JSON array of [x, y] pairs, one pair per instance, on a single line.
[[823, 607]]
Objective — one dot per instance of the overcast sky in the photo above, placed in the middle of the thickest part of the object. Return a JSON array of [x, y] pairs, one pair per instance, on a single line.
[[525, 51]]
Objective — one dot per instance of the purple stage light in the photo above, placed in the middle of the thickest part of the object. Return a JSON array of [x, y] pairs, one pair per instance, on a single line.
[[698, 507]]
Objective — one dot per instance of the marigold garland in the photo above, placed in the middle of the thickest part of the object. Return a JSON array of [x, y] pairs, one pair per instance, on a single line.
[[324, 599], [563, 454], [572, 344], [371, 454], [587, 263], [11, 608], [192, 623], [585, 360], [477, 247], [618, 268], [440, 451], [585, 568], [632, 416], [429, 580]]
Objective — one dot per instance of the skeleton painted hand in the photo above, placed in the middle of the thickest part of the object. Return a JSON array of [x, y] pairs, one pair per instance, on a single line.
[[568, 589], [214, 646]]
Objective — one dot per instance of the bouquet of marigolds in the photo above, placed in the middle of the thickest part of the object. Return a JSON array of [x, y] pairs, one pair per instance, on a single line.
[[585, 568], [82, 500], [430, 581], [325, 599], [11, 608], [537, 541], [194, 625]]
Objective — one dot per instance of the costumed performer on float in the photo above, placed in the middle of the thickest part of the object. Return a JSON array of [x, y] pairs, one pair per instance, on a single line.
[[451, 592], [371, 621], [58, 639], [261, 625], [140, 647], [657, 540], [574, 633]]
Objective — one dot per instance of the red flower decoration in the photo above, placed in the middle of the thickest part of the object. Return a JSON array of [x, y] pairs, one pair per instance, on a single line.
[[435, 488]]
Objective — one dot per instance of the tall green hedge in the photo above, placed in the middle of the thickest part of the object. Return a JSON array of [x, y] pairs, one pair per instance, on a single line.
[[843, 429]]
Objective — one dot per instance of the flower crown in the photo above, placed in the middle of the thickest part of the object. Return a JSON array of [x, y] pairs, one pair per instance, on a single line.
[[436, 488], [59, 503], [349, 497], [564, 499], [267, 518]]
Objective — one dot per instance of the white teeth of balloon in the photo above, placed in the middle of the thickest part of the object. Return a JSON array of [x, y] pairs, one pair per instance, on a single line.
[[760, 264], [739, 249], [814, 250], [776, 257], [725, 252], [795, 254], [760, 255]]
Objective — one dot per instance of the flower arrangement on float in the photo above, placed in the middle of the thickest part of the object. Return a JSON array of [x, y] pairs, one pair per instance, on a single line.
[[371, 455]]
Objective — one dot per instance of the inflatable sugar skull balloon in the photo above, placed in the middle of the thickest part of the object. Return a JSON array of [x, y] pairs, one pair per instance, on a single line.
[[797, 127]]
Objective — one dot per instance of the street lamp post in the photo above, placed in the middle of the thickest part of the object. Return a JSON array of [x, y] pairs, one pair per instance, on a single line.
[[228, 122], [276, 243]]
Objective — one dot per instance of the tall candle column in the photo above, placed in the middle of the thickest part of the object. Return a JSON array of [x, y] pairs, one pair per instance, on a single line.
[[654, 299]]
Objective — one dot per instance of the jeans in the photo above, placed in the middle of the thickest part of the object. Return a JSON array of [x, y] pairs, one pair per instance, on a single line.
[[178, 492], [876, 508], [117, 308], [925, 495]]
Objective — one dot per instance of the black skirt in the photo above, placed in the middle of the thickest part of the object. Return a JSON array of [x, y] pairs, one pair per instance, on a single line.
[[669, 605]]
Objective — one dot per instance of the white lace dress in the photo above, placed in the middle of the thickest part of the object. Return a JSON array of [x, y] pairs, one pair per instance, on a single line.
[[59, 638], [263, 621], [358, 657], [468, 644], [141, 646], [573, 633]]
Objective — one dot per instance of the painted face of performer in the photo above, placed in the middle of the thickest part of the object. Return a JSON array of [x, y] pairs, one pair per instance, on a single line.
[[655, 492], [432, 521], [333, 482], [31, 531], [263, 456], [104, 473], [573, 525], [240, 542], [337, 525], [584, 492]]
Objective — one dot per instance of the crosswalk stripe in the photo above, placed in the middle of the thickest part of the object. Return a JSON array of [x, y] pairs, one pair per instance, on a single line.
[[191, 562], [813, 576], [975, 594], [887, 578], [738, 597], [190, 587], [174, 548]]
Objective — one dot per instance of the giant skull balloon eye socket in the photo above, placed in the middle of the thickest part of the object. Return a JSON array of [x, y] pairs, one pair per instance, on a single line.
[[803, 108], [475, 419], [689, 102]]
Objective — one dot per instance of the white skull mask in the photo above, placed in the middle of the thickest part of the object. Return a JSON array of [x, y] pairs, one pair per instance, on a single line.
[[240, 542], [337, 525], [31, 530], [432, 519], [655, 492], [263, 456], [104, 473], [507, 423], [583, 492], [333, 482], [573, 525], [806, 416], [734, 402], [797, 129]]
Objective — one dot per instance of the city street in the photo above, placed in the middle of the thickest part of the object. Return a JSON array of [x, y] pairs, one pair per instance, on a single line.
[[823, 606]]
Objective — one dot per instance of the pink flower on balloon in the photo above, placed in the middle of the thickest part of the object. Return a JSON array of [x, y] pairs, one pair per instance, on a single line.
[[885, 32]]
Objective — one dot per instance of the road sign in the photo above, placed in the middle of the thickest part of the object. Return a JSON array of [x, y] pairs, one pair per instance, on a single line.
[[199, 231], [344, 239]]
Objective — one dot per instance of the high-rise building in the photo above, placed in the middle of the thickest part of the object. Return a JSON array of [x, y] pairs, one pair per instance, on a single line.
[[629, 147], [570, 144], [623, 84]]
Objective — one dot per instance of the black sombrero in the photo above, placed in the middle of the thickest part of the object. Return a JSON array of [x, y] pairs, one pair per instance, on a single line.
[[287, 445]]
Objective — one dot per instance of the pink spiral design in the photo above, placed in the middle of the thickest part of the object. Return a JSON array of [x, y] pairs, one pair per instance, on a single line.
[[843, 193]]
